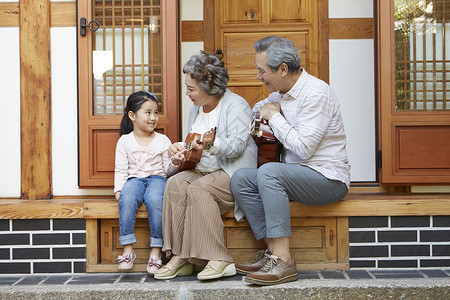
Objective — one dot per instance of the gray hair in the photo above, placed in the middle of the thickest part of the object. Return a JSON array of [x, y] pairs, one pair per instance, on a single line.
[[279, 50], [209, 72]]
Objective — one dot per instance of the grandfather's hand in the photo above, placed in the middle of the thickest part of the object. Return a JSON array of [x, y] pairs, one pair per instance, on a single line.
[[174, 149], [269, 109]]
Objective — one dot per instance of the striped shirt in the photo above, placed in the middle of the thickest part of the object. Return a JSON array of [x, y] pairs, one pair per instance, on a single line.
[[310, 127]]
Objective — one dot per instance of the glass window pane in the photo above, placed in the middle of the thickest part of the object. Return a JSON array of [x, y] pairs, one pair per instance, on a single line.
[[127, 52], [422, 37]]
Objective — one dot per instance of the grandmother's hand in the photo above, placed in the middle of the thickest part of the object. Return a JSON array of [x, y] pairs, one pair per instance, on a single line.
[[199, 146], [269, 109]]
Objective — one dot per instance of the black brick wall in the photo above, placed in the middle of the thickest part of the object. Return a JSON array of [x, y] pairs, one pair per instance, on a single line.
[[441, 250], [399, 242], [51, 239], [435, 235], [15, 268], [370, 251], [4, 225], [397, 236], [59, 253], [52, 267], [33, 225], [375, 242], [14, 239], [31, 253], [362, 236], [441, 221], [410, 221], [69, 224], [367, 222], [32, 246]]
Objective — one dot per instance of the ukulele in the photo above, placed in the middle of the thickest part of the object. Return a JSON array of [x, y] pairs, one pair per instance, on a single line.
[[193, 156], [261, 131], [269, 147]]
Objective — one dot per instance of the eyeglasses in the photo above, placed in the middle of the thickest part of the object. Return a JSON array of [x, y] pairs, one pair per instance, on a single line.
[[261, 71]]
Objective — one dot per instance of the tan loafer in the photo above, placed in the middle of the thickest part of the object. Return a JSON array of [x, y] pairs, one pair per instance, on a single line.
[[168, 271], [214, 272]]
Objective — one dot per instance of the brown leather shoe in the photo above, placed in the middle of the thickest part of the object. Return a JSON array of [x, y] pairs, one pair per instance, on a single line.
[[275, 271], [256, 262]]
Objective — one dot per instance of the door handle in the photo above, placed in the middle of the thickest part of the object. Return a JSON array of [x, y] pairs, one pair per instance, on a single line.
[[93, 26], [219, 53]]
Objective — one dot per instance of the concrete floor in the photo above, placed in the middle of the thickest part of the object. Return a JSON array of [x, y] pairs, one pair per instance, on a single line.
[[351, 284]]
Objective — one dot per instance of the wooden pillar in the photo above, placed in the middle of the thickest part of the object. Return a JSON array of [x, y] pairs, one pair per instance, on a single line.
[[208, 26], [35, 105], [324, 52]]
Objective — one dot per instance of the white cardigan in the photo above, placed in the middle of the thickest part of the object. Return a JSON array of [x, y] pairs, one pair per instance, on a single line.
[[236, 149]]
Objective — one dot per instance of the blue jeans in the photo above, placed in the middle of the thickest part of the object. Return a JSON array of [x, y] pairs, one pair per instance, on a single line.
[[136, 191]]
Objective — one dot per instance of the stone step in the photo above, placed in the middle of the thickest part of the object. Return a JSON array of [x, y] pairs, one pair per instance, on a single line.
[[353, 284]]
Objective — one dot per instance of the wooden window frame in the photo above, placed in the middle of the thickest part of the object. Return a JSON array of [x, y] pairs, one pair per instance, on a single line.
[[394, 124]]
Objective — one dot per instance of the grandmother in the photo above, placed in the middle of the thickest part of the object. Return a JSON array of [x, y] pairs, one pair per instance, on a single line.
[[194, 200]]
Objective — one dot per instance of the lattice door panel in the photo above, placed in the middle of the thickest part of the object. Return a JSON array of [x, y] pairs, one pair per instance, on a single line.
[[422, 53], [127, 52]]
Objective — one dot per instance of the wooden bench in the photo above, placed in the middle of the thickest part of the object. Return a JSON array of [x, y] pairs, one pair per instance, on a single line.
[[319, 233]]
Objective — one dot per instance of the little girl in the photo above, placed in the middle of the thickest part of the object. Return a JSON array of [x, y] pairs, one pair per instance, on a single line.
[[142, 165]]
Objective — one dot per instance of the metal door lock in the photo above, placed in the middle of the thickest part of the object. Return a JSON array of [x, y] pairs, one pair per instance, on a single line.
[[93, 26]]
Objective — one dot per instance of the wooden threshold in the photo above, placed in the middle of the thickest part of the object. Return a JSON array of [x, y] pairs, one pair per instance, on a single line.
[[352, 205], [41, 209]]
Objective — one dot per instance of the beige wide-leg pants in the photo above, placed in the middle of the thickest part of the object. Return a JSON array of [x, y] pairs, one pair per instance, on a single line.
[[192, 207]]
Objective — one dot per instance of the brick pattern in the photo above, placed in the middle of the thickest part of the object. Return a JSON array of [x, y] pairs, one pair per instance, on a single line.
[[59, 245], [42, 246], [399, 242]]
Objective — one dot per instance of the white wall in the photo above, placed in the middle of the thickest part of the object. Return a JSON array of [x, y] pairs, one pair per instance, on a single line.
[[352, 78], [10, 120], [65, 116], [191, 10], [350, 8]]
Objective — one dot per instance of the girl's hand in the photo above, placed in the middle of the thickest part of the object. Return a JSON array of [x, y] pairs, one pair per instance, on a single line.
[[178, 158], [117, 195], [174, 149]]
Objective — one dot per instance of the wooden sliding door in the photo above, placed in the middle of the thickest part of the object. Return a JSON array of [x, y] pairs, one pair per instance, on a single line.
[[134, 48]]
